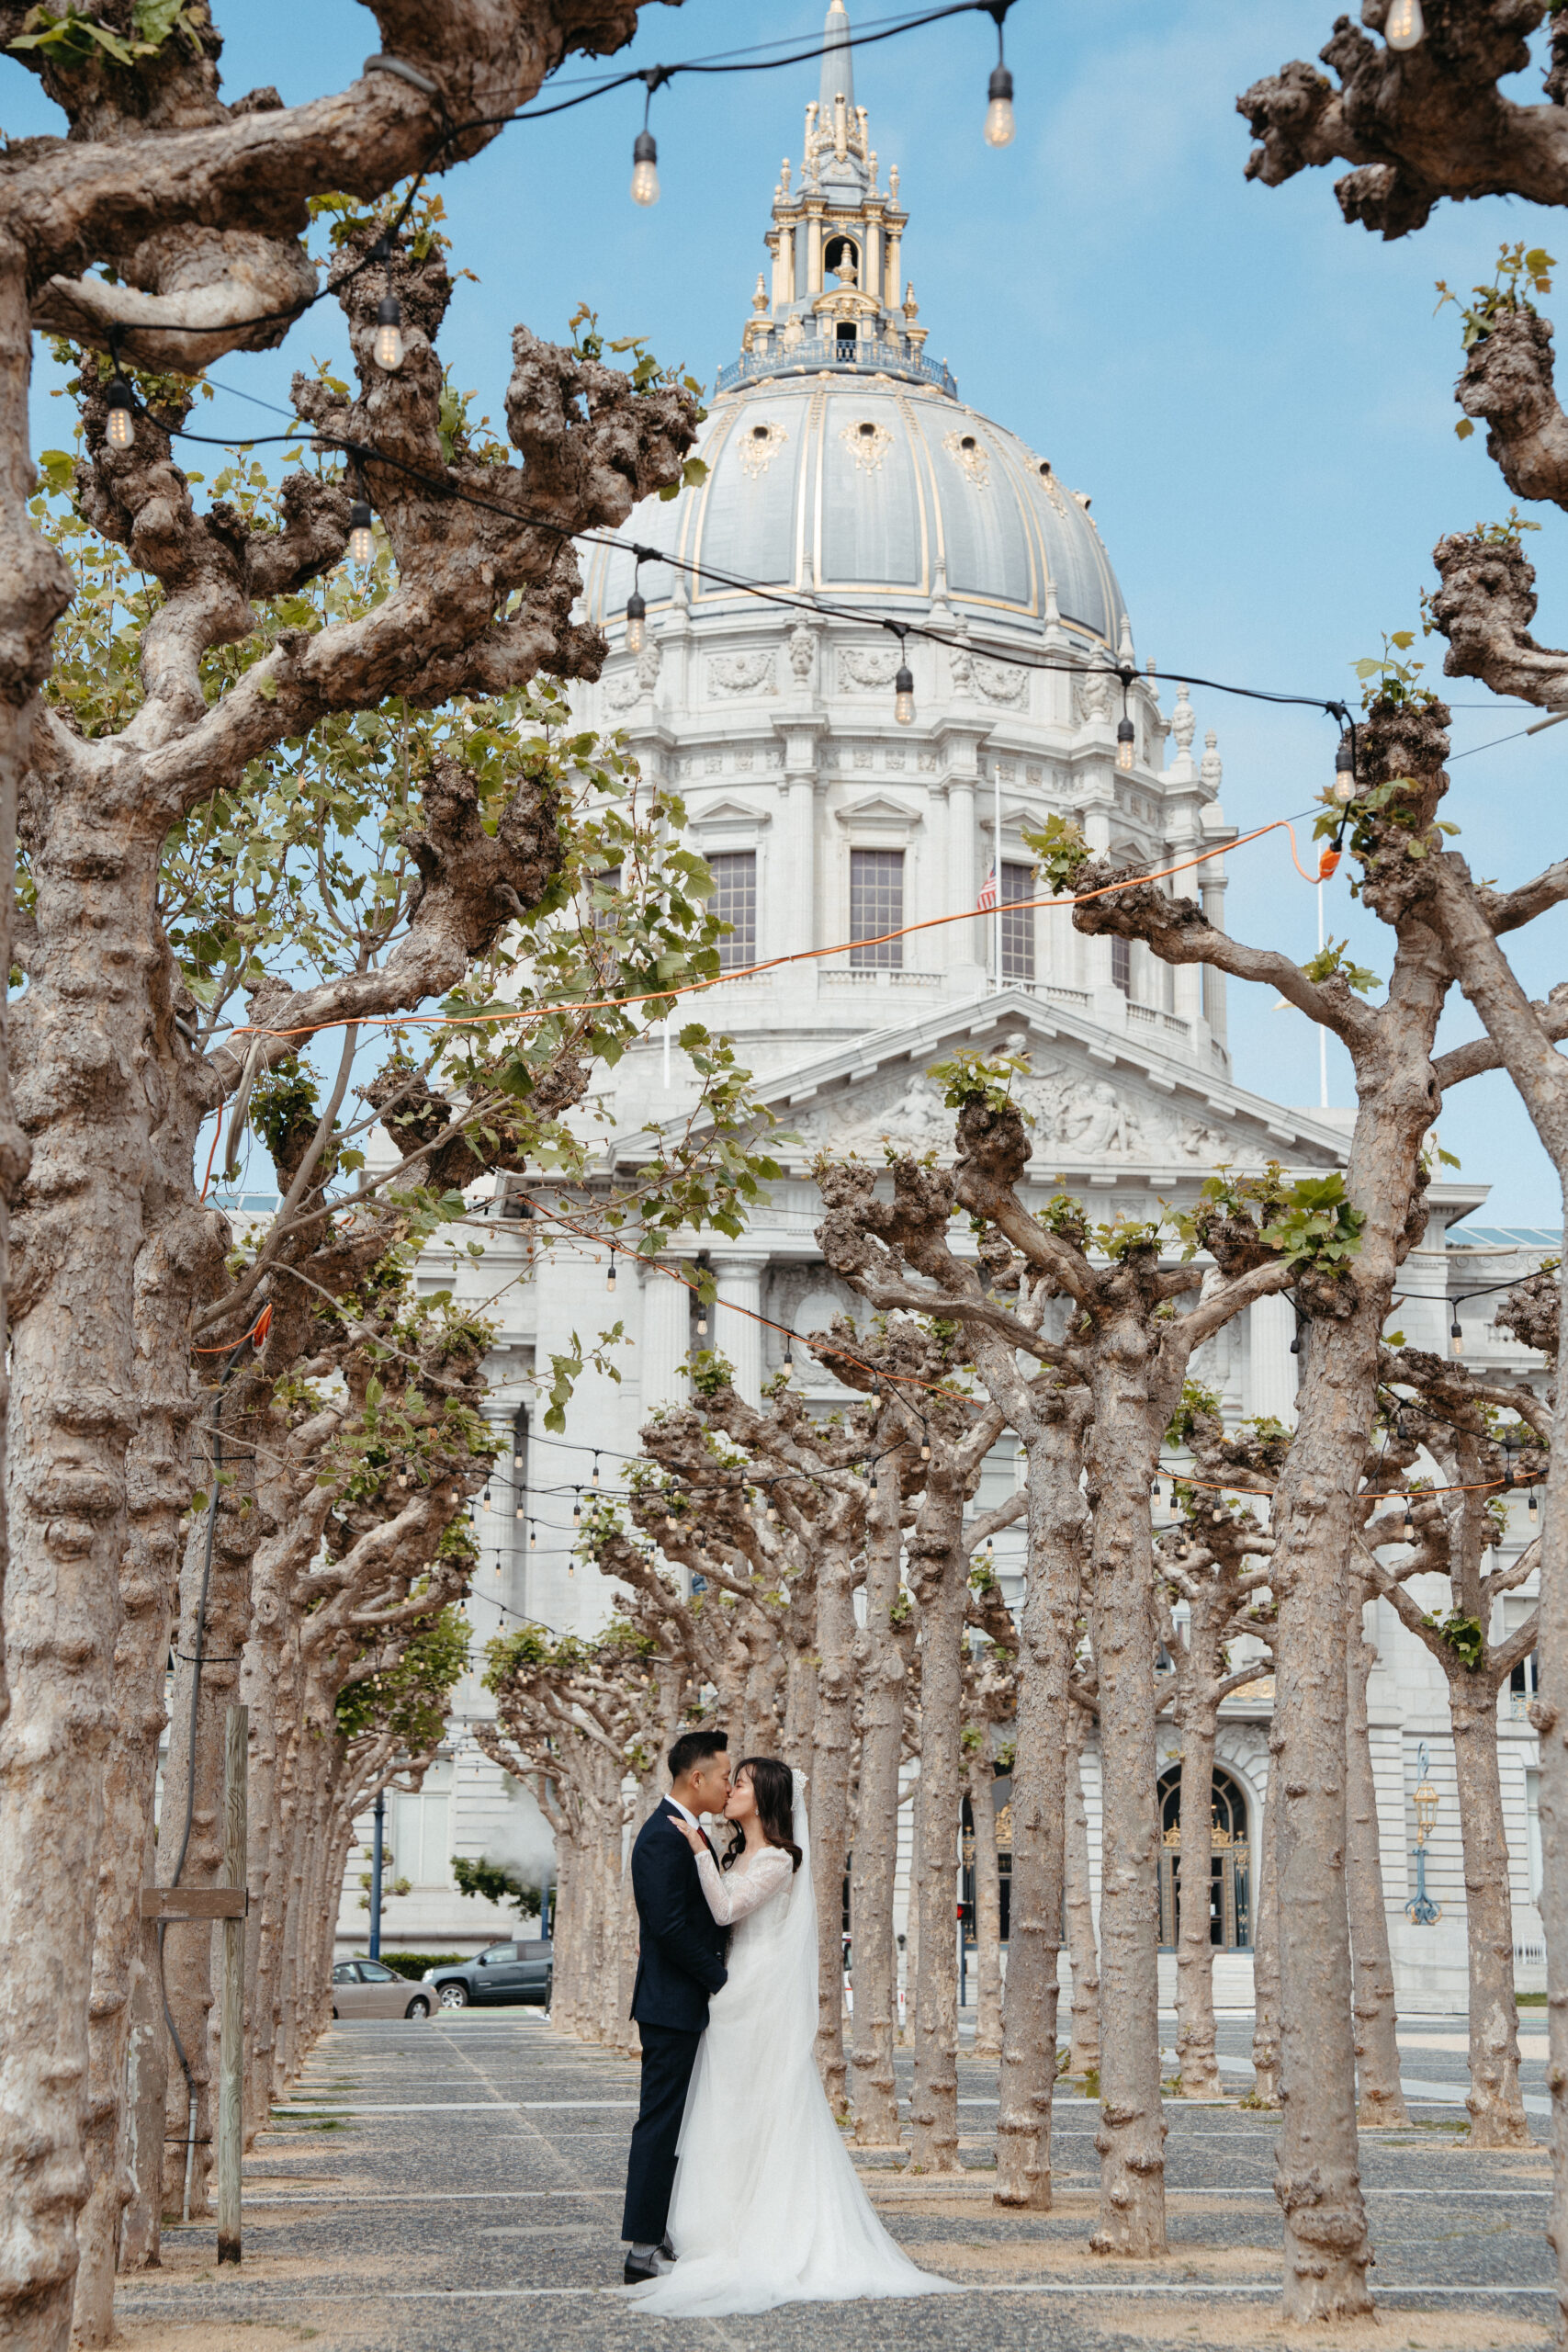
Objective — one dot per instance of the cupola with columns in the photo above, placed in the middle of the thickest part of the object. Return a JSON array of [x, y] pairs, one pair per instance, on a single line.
[[835, 245]]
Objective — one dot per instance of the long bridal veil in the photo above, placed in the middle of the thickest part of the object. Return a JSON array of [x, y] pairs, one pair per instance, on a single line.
[[768, 2207]]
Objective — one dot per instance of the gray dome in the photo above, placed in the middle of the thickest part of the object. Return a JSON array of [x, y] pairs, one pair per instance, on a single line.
[[868, 491]]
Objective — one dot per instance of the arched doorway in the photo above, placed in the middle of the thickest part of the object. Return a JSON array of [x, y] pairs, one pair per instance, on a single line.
[[1230, 1874]]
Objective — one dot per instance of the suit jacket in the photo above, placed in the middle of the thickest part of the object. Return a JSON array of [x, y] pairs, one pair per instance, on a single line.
[[681, 1958]]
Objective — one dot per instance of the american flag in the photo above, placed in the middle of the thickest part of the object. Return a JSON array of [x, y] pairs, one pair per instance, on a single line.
[[988, 891]]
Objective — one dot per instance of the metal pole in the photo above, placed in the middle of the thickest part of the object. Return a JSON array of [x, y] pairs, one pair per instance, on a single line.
[[376, 1851], [997, 868], [231, 2041]]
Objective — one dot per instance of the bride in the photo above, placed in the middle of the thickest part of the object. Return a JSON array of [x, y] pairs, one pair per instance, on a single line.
[[767, 2207]]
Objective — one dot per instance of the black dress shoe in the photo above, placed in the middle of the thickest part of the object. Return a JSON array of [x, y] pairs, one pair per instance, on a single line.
[[639, 2266], [665, 2248]]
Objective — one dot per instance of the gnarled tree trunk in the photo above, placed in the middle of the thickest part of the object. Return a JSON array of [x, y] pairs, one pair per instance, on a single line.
[[1083, 1948], [1496, 2104], [831, 1765], [1377, 2046], [883, 1678]]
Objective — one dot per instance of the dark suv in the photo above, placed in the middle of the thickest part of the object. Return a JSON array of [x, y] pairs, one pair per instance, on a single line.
[[522, 1971]]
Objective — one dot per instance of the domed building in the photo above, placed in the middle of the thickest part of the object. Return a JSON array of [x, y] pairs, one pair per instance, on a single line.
[[878, 839]]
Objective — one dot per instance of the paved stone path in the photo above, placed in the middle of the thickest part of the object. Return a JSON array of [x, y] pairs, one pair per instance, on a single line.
[[441, 2187]]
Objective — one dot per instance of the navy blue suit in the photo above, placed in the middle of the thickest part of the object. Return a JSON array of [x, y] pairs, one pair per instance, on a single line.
[[679, 1963]]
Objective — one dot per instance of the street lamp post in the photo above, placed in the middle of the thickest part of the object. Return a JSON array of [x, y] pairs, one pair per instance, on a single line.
[[1421, 1911], [376, 1851]]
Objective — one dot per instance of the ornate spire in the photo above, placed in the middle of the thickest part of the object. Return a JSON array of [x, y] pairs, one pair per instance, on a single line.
[[836, 246]]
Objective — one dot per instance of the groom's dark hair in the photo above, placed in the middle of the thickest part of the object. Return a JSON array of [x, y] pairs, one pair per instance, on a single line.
[[691, 1747]]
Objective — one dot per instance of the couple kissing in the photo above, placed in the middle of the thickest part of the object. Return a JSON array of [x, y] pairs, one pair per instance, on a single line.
[[741, 2194]]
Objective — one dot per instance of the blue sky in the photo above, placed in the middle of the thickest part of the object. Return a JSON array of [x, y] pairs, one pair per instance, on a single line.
[[1258, 398]]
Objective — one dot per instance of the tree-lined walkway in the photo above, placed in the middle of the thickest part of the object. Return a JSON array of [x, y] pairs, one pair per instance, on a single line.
[[438, 2186]]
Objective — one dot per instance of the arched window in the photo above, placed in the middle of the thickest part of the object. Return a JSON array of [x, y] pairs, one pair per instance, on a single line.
[[1230, 1874]]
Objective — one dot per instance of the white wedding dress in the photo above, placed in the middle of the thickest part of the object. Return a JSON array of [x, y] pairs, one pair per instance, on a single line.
[[767, 2207]]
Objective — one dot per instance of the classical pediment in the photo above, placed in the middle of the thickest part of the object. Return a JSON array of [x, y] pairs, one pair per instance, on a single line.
[[1105, 1110]]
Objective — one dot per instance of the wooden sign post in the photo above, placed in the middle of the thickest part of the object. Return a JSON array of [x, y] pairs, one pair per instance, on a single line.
[[229, 1903], [232, 2042]]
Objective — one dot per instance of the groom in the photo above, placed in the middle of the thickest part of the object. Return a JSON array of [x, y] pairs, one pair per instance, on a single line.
[[679, 1962]]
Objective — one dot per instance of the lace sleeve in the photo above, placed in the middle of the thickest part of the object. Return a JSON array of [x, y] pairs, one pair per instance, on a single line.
[[732, 1894]]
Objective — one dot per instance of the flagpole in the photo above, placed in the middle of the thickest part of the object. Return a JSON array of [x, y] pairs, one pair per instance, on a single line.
[[997, 868]]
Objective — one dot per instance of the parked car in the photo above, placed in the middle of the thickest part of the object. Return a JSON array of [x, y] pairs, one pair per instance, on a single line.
[[363, 1989], [521, 1971]]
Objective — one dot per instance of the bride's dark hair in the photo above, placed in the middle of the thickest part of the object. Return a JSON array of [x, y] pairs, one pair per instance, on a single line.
[[772, 1785]]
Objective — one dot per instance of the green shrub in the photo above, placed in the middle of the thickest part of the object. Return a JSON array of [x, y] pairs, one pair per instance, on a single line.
[[414, 1963]]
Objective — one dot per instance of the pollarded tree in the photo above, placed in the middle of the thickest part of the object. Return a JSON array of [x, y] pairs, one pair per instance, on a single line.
[[1131, 1359], [1210, 1565], [1459, 1419], [1344, 1300]]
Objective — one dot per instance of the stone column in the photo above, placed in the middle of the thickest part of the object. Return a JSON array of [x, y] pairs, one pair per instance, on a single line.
[[813, 251], [738, 1335], [892, 298], [871, 259], [1272, 1326], [665, 1343]]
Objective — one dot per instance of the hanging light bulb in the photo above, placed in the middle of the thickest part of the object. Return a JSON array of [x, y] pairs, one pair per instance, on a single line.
[[519, 1512], [388, 349], [773, 1512], [595, 1469], [532, 1537], [361, 544], [120, 431], [925, 1450], [1456, 1335], [904, 695], [1126, 736], [1344, 772], [1534, 1509], [486, 1498], [1409, 1522], [703, 1325], [517, 1461], [1405, 27], [610, 1276], [644, 168], [999, 124], [577, 1506]]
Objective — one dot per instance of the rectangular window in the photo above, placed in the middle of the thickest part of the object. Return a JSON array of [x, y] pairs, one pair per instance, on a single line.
[[876, 905], [1018, 922], [605, 887], [735, 902], [1122, 964]]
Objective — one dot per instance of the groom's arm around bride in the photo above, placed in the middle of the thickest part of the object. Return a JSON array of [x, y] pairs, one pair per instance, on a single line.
[[679, 1963]]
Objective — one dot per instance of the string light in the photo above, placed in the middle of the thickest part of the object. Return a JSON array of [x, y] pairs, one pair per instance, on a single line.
[[519, 1512], [1456, 1335], [1000, 126], [577, 1506], [532, 1536], [361, 545], [637, 611], [1409, 1522], [1534, 1508], [1124, 740], [904, 680], [595, 1469], [703, 1323], [610, 1277], [1405, 27], [645, 147], [1345, 771], [644, 168], [389, 349], [120, 431]]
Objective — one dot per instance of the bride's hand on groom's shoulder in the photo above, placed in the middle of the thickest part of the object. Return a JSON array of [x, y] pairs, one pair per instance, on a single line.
[[692, 1836]]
